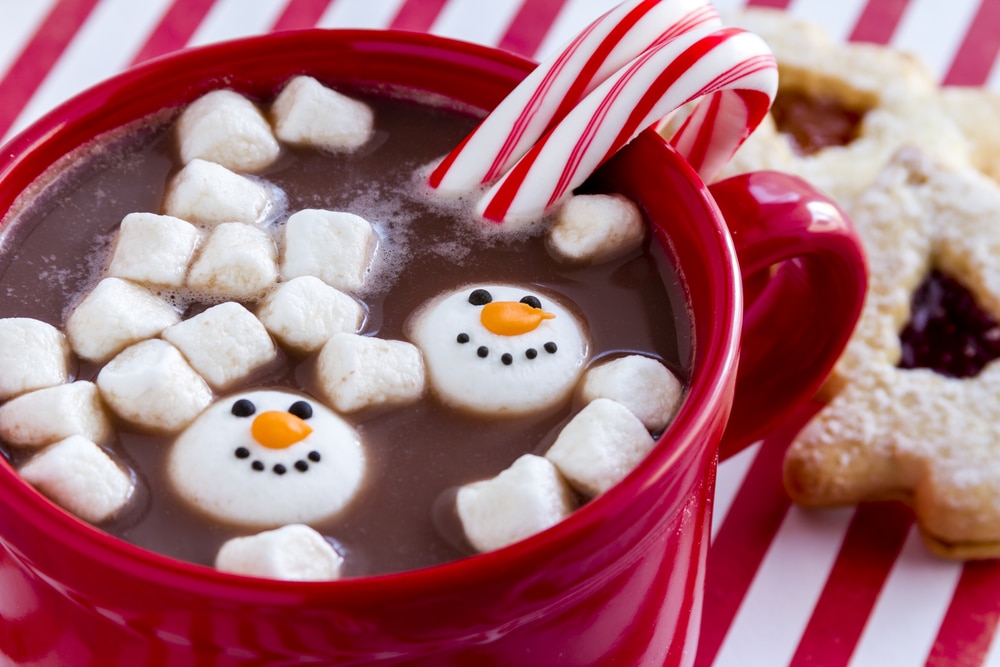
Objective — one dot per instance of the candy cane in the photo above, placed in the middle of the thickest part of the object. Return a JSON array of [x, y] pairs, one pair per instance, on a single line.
[[554, 87], [733, 72]]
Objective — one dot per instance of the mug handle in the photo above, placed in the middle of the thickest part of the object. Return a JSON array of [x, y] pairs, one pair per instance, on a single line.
[[804, 277]]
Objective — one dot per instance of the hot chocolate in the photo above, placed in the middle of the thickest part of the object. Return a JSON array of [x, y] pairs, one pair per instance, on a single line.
[[56, 249]]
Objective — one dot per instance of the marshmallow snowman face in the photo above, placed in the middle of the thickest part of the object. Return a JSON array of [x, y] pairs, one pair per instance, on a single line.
[[500, 349], [267, 458]]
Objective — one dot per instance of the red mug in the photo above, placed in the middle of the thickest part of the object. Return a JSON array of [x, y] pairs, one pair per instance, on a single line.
[[619, 582]]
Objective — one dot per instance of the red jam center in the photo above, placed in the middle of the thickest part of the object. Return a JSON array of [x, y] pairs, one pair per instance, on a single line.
[[815, 122], [948, 332]]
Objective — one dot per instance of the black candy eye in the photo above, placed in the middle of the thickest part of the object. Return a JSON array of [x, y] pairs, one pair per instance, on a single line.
[[301, 409], [243, 408], [532, 301], [480, 297]]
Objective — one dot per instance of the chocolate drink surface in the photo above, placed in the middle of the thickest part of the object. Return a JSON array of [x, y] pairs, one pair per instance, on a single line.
[[55, 249]]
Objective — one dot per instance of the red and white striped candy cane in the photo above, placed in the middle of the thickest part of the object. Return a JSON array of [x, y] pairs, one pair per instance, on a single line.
[[555, 86], [731, 70]]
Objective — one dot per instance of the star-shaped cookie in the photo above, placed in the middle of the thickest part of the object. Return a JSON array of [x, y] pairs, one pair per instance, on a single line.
[[912, 433]]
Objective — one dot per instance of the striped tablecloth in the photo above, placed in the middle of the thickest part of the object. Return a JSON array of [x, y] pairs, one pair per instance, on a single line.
[[785, 586]]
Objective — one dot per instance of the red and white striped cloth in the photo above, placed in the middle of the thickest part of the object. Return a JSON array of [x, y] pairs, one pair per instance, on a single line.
[[785, 586]]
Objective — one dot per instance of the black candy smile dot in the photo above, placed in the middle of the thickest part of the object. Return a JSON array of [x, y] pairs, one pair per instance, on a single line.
[[462, 338], [279, 469], [257, 465], [242, 452], [243, 408], [550, 347], [301, 466], [483, 351], [531, 353], [507, 359], [313, 456]]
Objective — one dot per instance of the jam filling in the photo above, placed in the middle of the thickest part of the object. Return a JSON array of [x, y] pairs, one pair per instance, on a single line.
[[815, 122], [948, 332]]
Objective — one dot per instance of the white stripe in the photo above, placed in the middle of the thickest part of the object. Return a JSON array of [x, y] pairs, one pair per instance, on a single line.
[[732, 473], [934, 34], [574, 16], [93, 54], [360, 14], [909, 610], [482, 23], [836, 18], [18, 22], [993, 81], [781, 599], [230, 19]]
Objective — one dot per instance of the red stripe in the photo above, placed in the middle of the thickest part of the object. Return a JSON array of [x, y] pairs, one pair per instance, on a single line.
[[175, 29], [745, 535], [39, 55], [878, 21], [529, 26], [300, 14], [978, 53], [872, 544], [777, 4], [417, 15], [972, 617]]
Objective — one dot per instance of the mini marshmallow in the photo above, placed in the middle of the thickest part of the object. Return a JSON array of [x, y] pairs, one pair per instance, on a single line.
[[308, 113], [207, 193], [304, 312], [153, 249], [522, 500], [237, 262], [590, 229], [356, 372], [114, 315], [79, 476], [224, 127], [294, 552], [47, 415], [600, 446], [642, 384], [33, 355], [150, 385], [334, 246], [224, 344]]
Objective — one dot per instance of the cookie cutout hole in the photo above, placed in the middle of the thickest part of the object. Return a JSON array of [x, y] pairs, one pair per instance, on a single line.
[[815, 121], [948, 332]]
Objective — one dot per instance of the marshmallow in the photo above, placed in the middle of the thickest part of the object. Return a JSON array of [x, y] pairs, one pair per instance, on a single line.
[[600, 446], [500, 349], [44, 416], [114, 315], [150, 385], [308, 113], [294, 552], [208, 193], [237, 262], [153, 249], [522, 500], [224, 344], [642, 384], [590, 229], [80, 477], [33, 355], [304, 312], [334, 246], [356, 372], [224, 127], [266, 458]]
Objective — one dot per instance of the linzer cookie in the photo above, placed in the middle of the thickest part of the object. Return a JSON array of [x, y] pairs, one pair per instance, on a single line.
[[842, 110], [914, 410]]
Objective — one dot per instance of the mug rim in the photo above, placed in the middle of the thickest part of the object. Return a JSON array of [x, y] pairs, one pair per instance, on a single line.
[[714, 357]]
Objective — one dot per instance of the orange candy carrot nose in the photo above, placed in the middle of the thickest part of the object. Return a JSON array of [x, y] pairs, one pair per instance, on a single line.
[[278, 430], [512, 318]]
